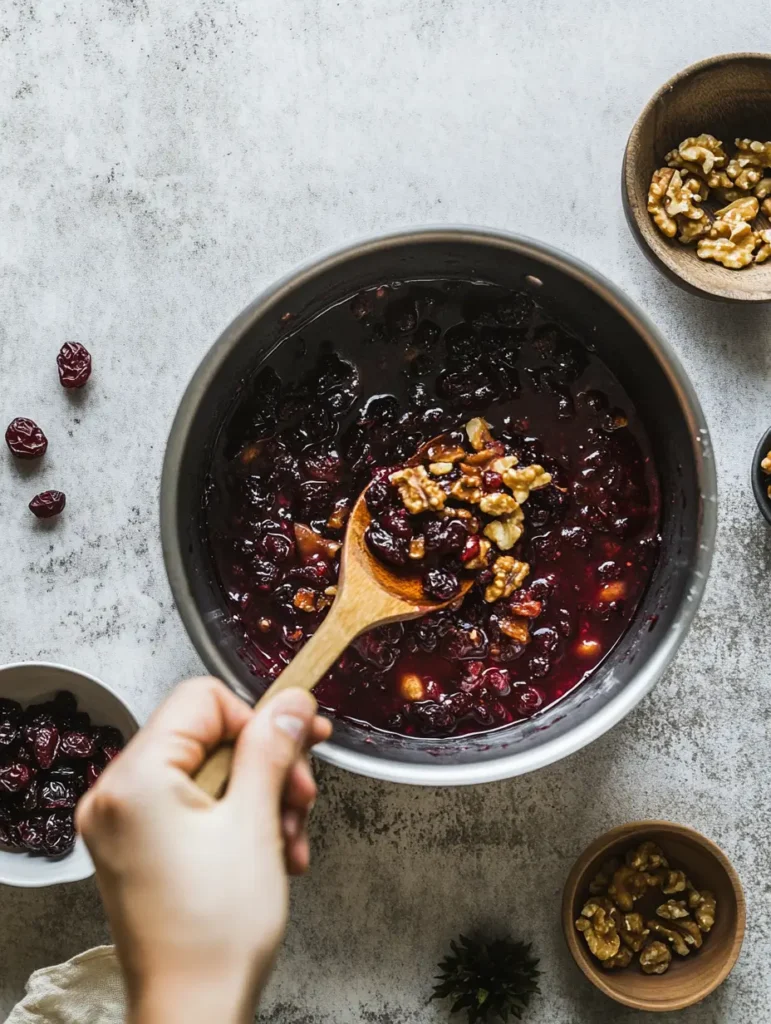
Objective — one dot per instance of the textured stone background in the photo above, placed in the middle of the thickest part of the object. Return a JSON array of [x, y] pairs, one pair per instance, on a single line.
[[160, 163]]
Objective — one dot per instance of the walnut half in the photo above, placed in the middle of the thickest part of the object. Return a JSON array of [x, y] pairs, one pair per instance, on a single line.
[[418, 491], [655, 958], [599, 925], [508, 576]]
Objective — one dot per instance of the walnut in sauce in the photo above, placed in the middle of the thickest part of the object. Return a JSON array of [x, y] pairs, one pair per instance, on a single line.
[[730, 235], [461, 492], [677, 925]]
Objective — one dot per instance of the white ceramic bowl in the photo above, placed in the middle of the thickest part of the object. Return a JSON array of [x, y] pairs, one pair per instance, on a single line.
[[30, 682]]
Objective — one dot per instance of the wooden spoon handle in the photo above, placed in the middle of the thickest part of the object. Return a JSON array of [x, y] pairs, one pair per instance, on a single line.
[[304, 671]]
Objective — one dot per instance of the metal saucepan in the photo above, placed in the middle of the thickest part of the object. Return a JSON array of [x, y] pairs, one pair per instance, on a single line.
[[649, 371]]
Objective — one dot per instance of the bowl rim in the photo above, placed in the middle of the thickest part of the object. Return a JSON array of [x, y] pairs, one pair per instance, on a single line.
[[758, 478], [631, 830], [506, 766], [717, 294], [87, 869]]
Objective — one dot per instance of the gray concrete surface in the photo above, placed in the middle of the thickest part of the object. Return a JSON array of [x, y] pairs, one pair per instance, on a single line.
[[160, 163]]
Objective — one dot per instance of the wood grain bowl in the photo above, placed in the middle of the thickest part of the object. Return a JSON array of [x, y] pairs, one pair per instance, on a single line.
[[688, 980], [727, 96]]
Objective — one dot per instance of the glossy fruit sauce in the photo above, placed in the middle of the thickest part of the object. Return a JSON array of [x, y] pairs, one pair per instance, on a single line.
[[360, 388]]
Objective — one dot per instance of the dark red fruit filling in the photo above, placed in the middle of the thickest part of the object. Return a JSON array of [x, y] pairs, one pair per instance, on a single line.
[[318, 423], [48, 504], [50, 754], [25, 439], [74, 363]]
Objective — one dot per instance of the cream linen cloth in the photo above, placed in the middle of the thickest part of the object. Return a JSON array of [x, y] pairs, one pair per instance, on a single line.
[[85, 990]]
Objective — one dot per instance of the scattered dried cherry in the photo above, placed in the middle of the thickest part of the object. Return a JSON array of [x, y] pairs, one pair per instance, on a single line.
[[25, 439], [74, 363], [48, 504]]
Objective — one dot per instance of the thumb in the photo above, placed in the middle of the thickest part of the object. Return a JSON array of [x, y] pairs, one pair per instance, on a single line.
[[268, 746]]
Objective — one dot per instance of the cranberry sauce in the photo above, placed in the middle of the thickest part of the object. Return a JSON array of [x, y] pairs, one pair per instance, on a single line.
[[359, 390]]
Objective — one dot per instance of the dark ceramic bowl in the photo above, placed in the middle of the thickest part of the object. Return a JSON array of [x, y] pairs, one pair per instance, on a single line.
[[625, 340], [760, 480]]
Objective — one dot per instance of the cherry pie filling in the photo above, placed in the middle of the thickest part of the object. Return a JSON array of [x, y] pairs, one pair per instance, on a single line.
[[349, 399]]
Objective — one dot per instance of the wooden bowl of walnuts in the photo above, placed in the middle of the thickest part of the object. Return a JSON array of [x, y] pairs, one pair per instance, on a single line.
[[696, 180], [653, 914]]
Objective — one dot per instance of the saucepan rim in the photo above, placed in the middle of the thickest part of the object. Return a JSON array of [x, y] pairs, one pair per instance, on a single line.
[[507, 765]]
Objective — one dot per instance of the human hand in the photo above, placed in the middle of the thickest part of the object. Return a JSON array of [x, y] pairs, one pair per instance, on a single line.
[[196, 890]]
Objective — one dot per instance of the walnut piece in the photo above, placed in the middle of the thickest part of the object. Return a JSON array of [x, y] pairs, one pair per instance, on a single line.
[[704, 912], [418, 491], [655, 958], [765, 207], [622, 959], [516, 628], [598, 924], [340, 513], [757, 154], [671, 936], [647, 857], [305, 600], [742, 175], [698, 153], [498, 504], [673, 910], [468, 487], [764, 240], [417, 548], [628, 885], [506, 531], [733, 255], [445, 453], [603, 878], [509, 575], [440, 468], [523, 481], [674, 881], [763, 188], [737, 216], [478, 433], [482, 559], [657, 192], [692, 230], [503, 463], [721, 181], [411, 687], [690, 932], [681, 200], [310, 543], [633, 932]]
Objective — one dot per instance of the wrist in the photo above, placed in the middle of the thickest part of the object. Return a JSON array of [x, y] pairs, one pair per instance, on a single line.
[[186, 1000]]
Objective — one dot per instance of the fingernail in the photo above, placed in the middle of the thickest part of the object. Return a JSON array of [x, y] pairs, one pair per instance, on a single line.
[[291, 725], [292, 824]]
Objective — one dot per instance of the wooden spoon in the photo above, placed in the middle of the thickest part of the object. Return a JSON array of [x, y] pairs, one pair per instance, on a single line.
[[369, 594]]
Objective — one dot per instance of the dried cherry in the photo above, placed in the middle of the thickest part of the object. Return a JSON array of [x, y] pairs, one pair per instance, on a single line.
[[48, 504], [25, 439], [74, 363]]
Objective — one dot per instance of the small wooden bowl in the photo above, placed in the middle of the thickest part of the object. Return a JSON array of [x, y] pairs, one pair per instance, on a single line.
[[689, 979], [728, 97], [761, 480]]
